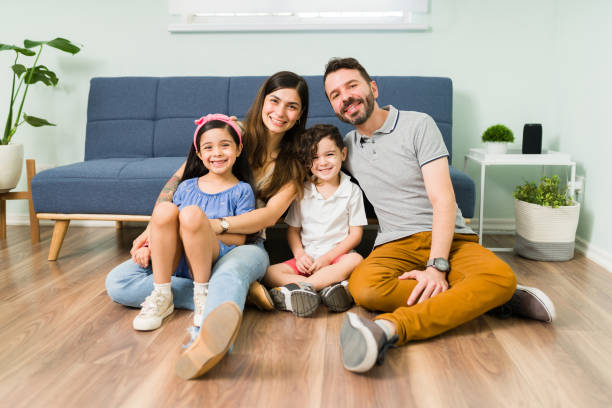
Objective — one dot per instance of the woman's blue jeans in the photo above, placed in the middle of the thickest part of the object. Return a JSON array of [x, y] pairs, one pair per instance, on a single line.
[[129, 284]]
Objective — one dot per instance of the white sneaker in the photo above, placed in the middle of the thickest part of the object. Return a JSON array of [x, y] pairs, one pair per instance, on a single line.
[[155, 308], [199, 301]]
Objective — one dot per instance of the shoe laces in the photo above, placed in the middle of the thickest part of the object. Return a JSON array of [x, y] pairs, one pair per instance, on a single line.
[[193, 332], [388, 344], [152, 303]]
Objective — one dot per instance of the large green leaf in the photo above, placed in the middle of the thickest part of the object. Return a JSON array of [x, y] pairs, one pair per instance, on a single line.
[[36, 122], [61, 44], [18, 69], [24, 51], [40, 74]]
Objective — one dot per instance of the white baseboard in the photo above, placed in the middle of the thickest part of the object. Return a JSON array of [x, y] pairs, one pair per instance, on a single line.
[[491, 225], [506, 225], [595, 253], [24, 219]]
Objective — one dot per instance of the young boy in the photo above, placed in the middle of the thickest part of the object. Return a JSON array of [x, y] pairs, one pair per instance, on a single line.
[[323, 229]]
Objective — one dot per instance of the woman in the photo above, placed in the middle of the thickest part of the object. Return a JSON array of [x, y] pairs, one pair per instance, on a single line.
[[274, 121]]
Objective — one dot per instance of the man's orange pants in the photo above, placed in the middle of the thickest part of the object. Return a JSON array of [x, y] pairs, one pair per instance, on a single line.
[[478, 282]]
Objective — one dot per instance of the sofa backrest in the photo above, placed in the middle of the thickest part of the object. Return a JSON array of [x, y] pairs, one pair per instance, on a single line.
[[153, 117]]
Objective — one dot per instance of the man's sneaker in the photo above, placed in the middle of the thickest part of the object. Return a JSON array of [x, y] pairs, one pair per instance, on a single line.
[[218, 332], [299, 298], [199, 301], [155, 308], [336, 297], [363, 343], [259, 297], [528, 302]]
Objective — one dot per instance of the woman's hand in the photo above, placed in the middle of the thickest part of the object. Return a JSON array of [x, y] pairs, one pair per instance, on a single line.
[[137, 245], [215, 225], [142, 256]]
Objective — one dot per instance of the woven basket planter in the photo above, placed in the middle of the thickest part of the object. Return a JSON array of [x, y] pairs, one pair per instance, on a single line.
[[545, 233]]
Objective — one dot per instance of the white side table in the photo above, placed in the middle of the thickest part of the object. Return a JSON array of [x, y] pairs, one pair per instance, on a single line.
[[485, 159]]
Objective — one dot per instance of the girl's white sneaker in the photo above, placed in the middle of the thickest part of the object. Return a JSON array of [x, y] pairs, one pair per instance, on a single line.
[[155, 309]]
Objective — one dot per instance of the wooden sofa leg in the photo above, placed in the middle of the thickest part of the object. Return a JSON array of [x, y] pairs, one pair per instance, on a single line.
[[34, 226], [2, 219], [59, 232]]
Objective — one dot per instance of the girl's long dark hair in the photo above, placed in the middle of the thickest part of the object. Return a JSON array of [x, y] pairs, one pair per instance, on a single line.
[[195, 167]]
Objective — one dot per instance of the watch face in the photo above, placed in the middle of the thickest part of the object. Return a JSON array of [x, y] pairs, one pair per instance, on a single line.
[[224, 225], [441, 264]]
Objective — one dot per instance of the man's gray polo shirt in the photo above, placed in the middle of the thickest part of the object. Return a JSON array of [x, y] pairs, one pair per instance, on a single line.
[[388, 169]]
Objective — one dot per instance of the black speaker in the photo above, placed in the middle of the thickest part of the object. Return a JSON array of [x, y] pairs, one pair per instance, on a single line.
[[532, 138]]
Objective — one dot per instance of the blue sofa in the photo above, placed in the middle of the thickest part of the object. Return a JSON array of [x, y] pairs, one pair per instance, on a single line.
[[139, 131]]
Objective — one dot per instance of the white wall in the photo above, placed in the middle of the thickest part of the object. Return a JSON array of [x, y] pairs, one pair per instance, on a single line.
[[583, 102], [511, 62]]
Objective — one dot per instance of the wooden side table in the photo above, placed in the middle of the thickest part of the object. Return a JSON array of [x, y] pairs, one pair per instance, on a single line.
[[21, 195]]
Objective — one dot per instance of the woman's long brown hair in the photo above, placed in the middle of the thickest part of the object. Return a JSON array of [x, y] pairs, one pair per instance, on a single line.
[[287, 167]]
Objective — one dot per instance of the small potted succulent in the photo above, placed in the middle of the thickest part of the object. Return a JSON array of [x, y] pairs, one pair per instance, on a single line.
[[11, 155], [497, 138], [546, 221]]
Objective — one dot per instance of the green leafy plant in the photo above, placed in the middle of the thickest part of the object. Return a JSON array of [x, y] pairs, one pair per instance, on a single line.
[[547, 193], [29, 76], [498, 133]]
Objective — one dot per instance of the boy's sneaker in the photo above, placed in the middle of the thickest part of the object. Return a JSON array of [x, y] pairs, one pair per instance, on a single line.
[[299, 298], [336, 297], [155, 308], [259, 297], [363, 343], [528, 302], [199, 301], [218, 332]]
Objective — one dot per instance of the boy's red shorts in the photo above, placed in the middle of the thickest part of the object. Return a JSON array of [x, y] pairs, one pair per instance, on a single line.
[[293, 264]]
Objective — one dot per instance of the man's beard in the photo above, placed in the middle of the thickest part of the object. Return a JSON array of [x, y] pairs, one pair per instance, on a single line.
[[368, 104]]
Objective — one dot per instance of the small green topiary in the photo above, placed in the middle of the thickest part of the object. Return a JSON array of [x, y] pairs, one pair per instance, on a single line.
[[547, 193], [498, 133]]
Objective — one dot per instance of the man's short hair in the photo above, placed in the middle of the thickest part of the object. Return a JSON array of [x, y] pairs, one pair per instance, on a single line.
[[336, 64]]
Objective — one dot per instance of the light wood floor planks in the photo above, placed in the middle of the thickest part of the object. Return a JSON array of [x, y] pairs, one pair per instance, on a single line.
[[64, 343]]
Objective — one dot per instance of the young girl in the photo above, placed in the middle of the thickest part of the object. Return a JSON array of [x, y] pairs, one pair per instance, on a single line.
[[215, 184], [323, 228], [273, 125]]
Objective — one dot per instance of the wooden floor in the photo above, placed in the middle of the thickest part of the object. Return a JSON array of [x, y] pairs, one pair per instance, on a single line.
[[64, 343]]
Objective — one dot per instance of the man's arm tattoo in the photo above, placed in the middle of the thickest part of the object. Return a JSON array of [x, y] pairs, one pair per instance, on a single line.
[[168, 190]]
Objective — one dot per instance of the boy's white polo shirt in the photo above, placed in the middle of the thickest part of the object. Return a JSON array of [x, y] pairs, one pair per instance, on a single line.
[[325, 222]]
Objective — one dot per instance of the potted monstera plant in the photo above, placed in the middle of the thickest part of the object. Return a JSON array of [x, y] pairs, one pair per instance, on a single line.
[[497, 138], [11, 155], [546, 221]]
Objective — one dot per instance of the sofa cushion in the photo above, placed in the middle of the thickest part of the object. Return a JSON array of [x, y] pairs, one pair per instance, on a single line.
[[180, 101], [465, 192], [109, 186]]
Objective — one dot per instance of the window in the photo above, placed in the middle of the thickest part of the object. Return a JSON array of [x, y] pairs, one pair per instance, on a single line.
[[297, 15]]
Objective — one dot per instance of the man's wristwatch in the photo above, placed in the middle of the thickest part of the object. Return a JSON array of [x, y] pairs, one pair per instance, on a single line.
[[224, 225], [440, 264]]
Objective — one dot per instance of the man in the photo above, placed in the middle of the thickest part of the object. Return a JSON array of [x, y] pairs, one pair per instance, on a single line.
[[427, 270]]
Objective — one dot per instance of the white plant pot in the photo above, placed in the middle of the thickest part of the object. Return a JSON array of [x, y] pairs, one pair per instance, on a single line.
[[545, 233], [497, 147], [11, 163]]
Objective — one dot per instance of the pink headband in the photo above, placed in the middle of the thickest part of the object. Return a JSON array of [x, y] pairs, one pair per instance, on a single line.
[[215, 116]]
